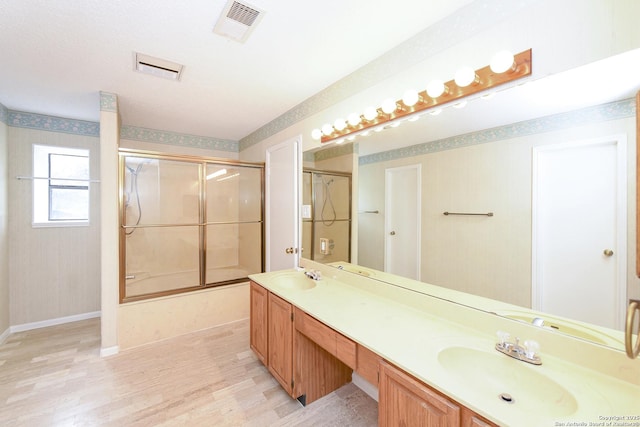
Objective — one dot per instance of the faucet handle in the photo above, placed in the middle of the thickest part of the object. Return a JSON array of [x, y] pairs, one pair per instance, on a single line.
[[532, 348], [503, 337]]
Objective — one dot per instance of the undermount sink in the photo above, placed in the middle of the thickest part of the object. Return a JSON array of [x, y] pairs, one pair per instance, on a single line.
[[505, 378], [294, 280]]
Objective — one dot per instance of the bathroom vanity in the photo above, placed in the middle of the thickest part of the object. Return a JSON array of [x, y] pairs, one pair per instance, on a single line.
[[433, 362]]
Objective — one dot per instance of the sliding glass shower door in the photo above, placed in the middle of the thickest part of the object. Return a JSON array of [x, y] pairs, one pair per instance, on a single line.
[[188, 223]]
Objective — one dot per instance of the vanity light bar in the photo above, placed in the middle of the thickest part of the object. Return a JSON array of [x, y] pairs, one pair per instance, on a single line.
[[453, 90]]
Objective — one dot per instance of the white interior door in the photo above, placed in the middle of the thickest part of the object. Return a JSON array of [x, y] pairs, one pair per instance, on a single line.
[[402, 221], [579, 230], [282, 196]]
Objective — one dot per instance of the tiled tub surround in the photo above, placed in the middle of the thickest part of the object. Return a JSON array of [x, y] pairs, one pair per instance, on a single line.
[[410, 330]]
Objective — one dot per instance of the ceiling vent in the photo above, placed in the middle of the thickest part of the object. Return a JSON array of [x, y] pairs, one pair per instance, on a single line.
[[237, 21], [156, 66]]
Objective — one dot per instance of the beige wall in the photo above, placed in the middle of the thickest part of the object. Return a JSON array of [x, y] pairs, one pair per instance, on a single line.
[[487, 257], [54, 272], [4, 232]]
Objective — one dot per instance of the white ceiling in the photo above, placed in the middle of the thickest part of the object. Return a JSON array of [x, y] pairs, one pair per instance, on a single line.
[[58, 55]]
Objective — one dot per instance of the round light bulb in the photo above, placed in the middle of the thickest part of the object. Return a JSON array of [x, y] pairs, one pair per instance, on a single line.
[[327, 129], [370, 113], [410, 98], [502, 62], [436, 88], [316, 134], [353, 119], [389, 106], [465, 76], [339, 124]]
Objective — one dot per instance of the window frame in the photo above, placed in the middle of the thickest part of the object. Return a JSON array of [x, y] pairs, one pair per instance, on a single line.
[[42, 168]]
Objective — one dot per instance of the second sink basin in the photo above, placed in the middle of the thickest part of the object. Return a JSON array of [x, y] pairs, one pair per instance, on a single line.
[[497, 374]]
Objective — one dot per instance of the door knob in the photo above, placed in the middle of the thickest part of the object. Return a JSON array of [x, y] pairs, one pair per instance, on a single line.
[[289, 250], [393, 233], [608, 252]]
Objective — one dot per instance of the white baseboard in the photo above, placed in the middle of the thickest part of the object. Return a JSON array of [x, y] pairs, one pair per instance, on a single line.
[[109, 351], [365, 386], [52, 322], [5, 335]]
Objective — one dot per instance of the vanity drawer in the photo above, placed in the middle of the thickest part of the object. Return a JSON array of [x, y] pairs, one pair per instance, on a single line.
[[368, 364], [346, 350], [335, 343]]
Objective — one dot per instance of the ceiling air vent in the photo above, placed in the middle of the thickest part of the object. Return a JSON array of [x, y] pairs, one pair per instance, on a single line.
[[237, 21], [156, 66]]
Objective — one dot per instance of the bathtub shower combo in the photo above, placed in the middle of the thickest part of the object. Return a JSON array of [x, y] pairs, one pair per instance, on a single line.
[[187, 223], [326, 215]]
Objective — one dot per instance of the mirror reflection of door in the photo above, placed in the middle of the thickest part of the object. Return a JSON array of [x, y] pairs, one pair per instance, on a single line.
[[402, 221], [579, 226]]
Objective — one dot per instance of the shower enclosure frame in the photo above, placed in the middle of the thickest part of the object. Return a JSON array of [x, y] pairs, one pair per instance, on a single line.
[[202, 224], [313, 172]]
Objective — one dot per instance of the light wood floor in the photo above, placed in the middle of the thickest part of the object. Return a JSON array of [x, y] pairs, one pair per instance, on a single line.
[[55, 377]]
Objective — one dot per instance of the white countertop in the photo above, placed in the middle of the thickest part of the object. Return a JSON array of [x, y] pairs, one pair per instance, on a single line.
[[413, 330]]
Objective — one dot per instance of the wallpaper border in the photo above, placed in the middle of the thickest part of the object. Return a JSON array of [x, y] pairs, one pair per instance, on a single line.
[[599, 113], [177, 139], [108, 102], [22, 119], [26, 120], [4, 114]]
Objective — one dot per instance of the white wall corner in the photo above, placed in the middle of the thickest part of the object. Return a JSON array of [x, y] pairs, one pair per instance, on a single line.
[[109, 351], [5, 335]]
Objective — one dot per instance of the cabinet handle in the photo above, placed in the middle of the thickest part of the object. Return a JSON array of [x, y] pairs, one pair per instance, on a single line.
[[608, 252]]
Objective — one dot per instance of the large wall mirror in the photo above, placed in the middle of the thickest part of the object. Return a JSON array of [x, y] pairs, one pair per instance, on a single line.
[[526, 197]]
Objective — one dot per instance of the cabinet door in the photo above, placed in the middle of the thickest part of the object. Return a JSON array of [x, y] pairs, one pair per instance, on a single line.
[[258, 323], [403, 400], [471, 419], [280, 338]]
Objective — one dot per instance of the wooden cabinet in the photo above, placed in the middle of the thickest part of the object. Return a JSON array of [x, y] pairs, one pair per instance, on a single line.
[[310, 359], [258, 321], [280, 341], [330, 340], [470, 419], [403, 400], [368, 364]]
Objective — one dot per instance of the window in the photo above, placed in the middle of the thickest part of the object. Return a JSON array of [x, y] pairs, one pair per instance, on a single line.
[[60, 185]]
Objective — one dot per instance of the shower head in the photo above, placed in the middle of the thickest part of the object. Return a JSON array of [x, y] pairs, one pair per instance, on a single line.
[[328, 182]]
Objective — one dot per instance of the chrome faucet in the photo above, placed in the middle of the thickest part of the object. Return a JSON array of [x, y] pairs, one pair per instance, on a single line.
[[526, 353], [313, 274], [538, 321]]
